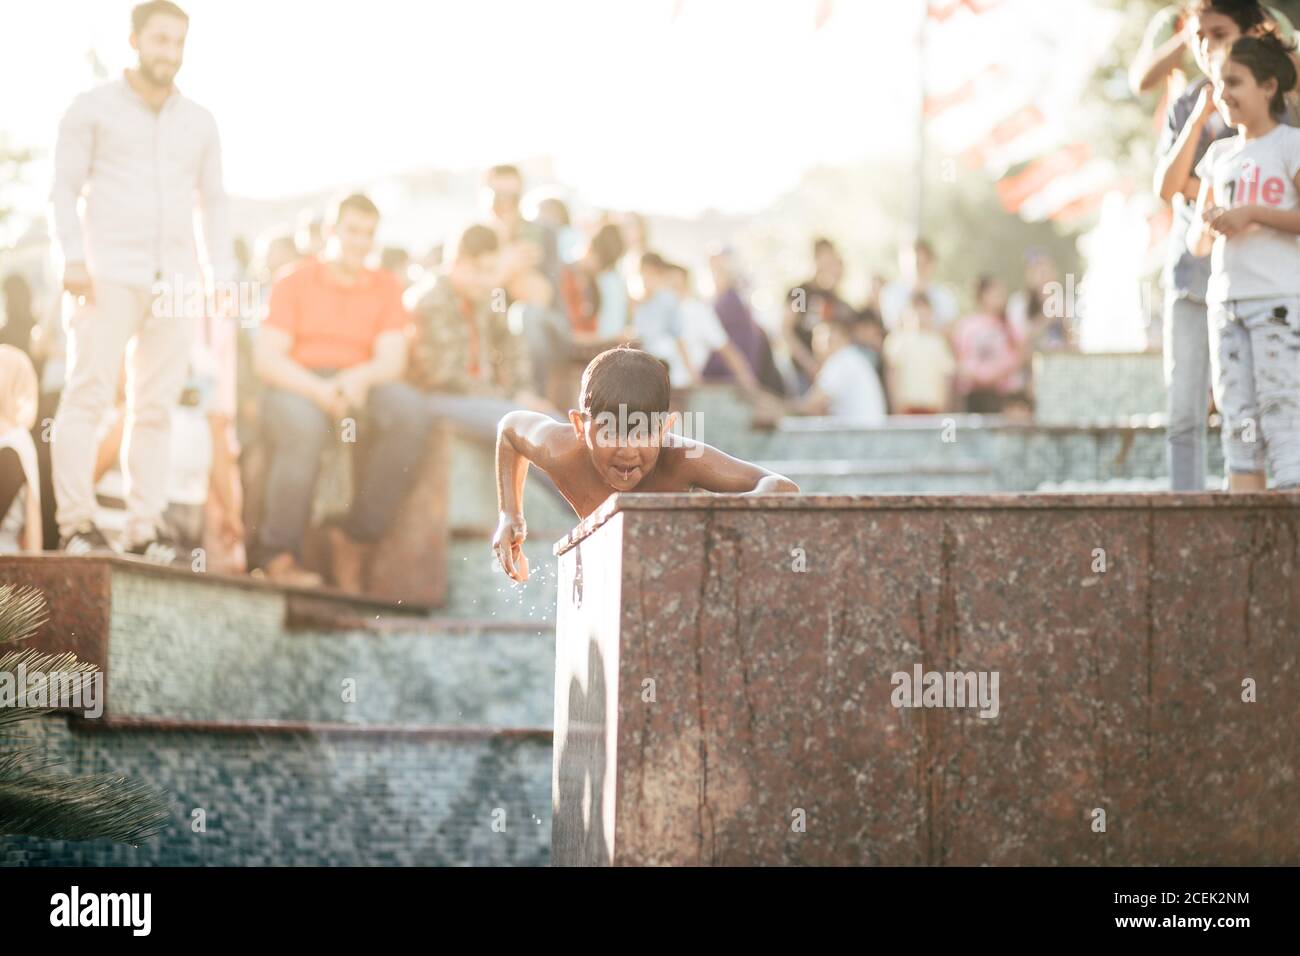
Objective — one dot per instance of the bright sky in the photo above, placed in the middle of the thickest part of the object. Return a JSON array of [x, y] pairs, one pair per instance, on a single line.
[[723, 106]]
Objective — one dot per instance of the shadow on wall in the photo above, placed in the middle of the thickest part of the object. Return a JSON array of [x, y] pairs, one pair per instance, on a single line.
[[578, 825]]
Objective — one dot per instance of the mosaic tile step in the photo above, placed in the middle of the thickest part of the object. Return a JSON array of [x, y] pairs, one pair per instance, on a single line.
[[180, 645], [275, 798], [1073, 387]]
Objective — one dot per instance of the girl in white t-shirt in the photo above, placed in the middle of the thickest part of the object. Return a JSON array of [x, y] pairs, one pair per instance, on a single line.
[[1248, 220]]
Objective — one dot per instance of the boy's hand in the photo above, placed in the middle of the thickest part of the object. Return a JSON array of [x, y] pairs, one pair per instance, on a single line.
[[1206, 106], [507, 545]]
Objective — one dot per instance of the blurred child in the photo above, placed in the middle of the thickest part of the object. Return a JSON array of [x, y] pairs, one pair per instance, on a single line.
[[989, 352], [1249, 221], [617, 441], [658, 321], [20, 487], [846, 386], [869, 337], [918, 362]]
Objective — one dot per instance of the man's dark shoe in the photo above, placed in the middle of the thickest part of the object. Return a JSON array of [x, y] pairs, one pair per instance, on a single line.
[[86, 539]]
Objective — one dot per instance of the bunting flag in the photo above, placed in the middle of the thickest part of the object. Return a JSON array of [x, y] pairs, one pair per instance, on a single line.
[[1015, 190], [824, 11], [941, 10], [1009, 114], [1069, 195]]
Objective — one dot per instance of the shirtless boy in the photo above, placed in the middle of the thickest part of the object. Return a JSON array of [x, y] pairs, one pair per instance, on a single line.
[[618, 440]]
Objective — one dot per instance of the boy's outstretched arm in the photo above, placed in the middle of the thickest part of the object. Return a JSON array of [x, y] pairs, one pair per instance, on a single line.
[[522, 437], [713, 470]]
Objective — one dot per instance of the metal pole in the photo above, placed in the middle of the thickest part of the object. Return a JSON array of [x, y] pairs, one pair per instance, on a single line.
[[918, 211]]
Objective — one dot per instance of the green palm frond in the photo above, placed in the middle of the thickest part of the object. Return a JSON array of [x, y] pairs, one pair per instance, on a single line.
[[22, 612], [34, 801], [99, 806]]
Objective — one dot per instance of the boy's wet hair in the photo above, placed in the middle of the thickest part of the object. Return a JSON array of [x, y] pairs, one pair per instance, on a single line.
[[626, 377], [1268, 58]]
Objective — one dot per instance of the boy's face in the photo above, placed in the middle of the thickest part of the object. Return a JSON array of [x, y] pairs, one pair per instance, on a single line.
[[1214, 33], [827, 338], [869, 334], [623, 452], [474, 277], [677, 284], [651, 279]]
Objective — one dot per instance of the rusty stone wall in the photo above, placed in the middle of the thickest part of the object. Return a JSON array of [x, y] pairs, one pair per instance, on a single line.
[[1121, 629]]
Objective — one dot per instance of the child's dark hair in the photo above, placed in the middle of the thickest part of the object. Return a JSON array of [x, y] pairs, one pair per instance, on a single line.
[[607, 245], [985, 282], [624, 376], [1247, 14], [869, 316], [1267, 58], [654, 262]]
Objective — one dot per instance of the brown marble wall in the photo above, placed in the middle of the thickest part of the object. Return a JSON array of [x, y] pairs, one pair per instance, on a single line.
[[715, 705]]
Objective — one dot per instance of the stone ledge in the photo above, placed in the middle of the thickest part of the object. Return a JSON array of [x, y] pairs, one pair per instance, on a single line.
[[998, 501], [52, 558], [312, 728]]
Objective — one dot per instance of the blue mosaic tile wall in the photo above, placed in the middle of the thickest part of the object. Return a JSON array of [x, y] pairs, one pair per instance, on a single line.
[[295, 800], [190, 650], [1079, 388]]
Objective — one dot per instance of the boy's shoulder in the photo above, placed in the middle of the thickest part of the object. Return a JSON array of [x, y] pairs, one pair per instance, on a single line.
[[673, 471]]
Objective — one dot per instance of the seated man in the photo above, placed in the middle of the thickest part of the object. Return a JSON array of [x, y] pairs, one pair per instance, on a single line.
[[333, 343], [467, 366]]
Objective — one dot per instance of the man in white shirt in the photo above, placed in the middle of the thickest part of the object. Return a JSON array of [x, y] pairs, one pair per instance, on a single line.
[[143, 156], [847, 386], [703, 335], [916, 269]]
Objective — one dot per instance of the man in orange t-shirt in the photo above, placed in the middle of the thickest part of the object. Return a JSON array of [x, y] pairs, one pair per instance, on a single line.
[[333, 345]]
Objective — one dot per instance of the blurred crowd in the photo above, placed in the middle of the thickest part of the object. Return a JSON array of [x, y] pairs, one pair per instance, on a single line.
[[162, 403], [490, 325]]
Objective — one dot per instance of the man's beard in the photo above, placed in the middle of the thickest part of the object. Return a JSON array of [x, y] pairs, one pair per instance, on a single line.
[[159, 74]]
